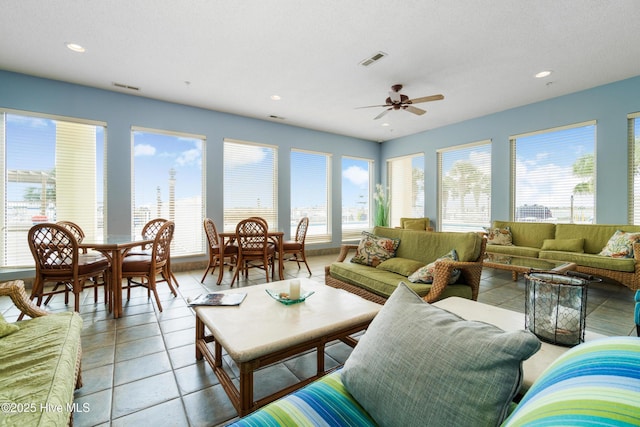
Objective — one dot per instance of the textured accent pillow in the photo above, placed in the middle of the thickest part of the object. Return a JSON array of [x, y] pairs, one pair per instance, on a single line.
[[425, 274], [420, 365], [620, 245], [499, 236], [7, 328], [372, 249], [565, 245], [403, 266], [595, 384]]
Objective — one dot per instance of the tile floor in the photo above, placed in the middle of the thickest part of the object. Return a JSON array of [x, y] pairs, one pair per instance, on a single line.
[[141, 369]]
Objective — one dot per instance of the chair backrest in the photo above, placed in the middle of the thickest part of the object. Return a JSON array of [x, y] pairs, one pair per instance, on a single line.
[[251, 234], [211, 232], [162, 243], [53, 247], [74, 229], [301, 231], [152, 227]]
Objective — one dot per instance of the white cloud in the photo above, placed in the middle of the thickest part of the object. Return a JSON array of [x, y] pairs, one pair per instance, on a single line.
[[188, 157], [356, 175], [144, 150]]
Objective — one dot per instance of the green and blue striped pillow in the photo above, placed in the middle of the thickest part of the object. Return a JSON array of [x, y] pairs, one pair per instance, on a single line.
[[594, 384], [324, 402]]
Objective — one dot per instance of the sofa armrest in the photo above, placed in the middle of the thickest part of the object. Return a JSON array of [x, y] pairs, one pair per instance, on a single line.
[[344, 251], [15, 291], [636, 253]]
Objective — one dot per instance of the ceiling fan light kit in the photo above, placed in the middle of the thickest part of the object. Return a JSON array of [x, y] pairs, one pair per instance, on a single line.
[[399, 101]]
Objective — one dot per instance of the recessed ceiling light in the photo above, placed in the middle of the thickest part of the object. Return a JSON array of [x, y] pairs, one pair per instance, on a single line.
[[276, 97], [75, 47], [385, 124], [543, 74]]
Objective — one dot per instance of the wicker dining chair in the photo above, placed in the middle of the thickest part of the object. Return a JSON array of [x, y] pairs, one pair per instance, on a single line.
[[149, 231], [296, 247], [216, 259], [78, 233], [253, 246], [59, 259], [149, 267]]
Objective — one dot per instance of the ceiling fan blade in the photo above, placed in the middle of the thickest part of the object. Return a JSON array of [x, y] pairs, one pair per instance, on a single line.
[[382, 114], [425, 99], [415, 110], [371, 106]]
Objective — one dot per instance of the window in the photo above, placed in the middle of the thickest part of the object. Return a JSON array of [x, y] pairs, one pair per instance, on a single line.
[[250, 183], [64, 181], [553, 173], [357, 176], [406, 186], [464, 181], [310, 193], [167, 183], [634, 168]]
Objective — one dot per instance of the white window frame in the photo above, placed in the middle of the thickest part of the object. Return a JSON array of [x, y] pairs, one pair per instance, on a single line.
[[633, 121]]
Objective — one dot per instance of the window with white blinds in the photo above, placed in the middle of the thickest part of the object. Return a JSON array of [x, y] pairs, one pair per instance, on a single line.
[[553, 173], [167, 183], [310, 189], [405, 176], [52, 170], [250, 183], [357, 178], [634, 168], [464, 187]]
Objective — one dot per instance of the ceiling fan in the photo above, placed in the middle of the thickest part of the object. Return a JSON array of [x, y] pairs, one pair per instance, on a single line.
[[397, 101]]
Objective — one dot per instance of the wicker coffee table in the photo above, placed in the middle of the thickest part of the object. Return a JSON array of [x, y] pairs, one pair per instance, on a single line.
[[521, 264], [262, 331]]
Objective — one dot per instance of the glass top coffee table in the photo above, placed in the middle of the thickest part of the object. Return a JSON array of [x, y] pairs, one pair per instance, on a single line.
[[520, 264], [262, 331]]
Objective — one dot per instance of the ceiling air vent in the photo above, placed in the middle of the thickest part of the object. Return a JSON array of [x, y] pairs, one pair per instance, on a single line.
[[373, 58], [123, 86]]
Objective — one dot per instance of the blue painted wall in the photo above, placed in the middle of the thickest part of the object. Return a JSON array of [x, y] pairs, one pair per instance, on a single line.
[[609, 105], [122, 111]]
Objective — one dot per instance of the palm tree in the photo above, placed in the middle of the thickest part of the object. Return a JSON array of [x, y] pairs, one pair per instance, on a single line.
[[583, 168]]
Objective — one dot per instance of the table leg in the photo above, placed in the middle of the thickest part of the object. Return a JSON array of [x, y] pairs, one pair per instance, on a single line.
[[222, 249], [116, 284], [281, 257]]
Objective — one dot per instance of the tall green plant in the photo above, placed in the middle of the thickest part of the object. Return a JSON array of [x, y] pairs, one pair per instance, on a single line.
[[382, 201]]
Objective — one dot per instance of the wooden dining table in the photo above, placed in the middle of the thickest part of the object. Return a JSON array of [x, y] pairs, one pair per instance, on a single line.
[[114, 247], [228, 237]]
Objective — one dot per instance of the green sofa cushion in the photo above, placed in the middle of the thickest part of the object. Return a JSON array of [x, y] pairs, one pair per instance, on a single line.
[[514, 250], [37, 366], [420, 365], [595, 236], [529, 234], [427, 246], [566, 245], [415, 223], [383, 283], [402, 266], [591, 260]]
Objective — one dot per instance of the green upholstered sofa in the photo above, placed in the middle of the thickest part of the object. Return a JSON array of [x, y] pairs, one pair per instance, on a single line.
[[39, 364], [448, 371], [416, 249], [577, 243]]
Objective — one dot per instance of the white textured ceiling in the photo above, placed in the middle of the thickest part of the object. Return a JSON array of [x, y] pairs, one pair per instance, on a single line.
[[480, 54]]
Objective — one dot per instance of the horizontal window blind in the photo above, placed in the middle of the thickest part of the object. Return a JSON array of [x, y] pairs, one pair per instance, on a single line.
[[250, 183], [357, 178], [63, 182], [553, 174], [310, 193], [168, 177], [634, 167], [464, 187], [405, 177]]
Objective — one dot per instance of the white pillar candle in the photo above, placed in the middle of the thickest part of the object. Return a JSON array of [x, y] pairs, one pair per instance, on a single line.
[[294, 289]]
